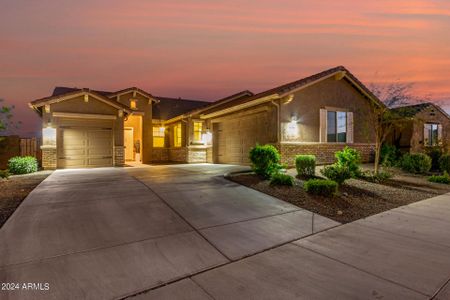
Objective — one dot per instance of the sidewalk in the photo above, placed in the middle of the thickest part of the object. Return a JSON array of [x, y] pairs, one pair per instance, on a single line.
[[400, 254]]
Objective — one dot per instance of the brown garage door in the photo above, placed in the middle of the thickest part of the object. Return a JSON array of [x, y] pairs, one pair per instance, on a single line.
[[85, 146], [234, 138]]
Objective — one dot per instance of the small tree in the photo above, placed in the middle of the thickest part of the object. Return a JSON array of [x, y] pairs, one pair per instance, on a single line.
[[382, 118], [5, 118]]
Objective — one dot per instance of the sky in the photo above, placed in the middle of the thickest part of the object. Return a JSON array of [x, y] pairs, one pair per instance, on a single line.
[[208, 49]]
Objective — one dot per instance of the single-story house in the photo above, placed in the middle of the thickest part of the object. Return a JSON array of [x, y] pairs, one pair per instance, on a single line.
[[422, 127], [319, 114]]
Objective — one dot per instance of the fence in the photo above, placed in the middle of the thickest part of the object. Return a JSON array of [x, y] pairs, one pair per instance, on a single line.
[[13, 145]]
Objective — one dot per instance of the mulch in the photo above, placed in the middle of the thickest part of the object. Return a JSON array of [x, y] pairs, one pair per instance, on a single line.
[[15, 189], [356, 199]]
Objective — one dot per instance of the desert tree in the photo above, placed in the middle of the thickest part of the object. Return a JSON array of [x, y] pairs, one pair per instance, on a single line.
[[383, 120]]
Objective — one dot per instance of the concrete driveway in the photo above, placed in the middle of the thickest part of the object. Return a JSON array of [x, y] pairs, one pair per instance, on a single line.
[[110, 233]]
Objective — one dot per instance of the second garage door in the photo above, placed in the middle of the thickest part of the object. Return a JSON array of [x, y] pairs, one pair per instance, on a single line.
[[234, 138], [85, 146]]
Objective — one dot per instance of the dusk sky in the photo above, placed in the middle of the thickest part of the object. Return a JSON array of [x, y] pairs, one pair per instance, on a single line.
[[209, 49]]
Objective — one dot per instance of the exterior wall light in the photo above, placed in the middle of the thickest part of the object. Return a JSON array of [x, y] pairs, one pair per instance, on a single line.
[[207, 138], [133, 104], [86, 98], [292, 128], [49, 136]]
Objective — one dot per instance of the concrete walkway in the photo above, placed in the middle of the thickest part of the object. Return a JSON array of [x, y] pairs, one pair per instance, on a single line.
[[111, 233]]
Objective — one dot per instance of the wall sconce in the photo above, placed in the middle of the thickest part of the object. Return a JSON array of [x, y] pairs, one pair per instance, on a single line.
[[47, 108], [207, 138], [292, 128], [49, 136], [86, 98], [120, 113]]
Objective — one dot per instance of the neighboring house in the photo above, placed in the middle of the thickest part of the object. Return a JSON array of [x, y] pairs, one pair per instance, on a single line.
[[423, 126], [317, 115]]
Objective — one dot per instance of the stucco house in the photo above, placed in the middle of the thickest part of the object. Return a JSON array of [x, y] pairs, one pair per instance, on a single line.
[[423, 126], [319, 115]]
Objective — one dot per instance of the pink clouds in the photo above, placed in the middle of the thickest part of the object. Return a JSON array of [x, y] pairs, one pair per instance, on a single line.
[[207, 49]]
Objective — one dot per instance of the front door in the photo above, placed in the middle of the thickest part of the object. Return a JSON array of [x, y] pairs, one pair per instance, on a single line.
[[129, 144]]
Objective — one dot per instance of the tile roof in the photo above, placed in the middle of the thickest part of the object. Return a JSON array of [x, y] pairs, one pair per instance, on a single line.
[[286, 88], [168, 108], [409, 111]]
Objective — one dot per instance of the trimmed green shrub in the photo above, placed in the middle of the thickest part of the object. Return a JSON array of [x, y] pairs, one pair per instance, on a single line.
[[305, 165], [282, 179], [22, 164], [265, 160], [389, 155], [444, 163], [4, 174], [417, 163], [435, 154], [440, 178], [349, 158], [337, 173], [321, 187]]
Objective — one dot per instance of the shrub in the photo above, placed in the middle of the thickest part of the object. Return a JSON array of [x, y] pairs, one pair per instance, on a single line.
[[265, 160], [281, 179], [440, 178], [444, 163], [22, 164], [389, 155], [349, 158], [321, 187], [337, 173], [305, 165], [435, 154], [417, 163], [4, 174]]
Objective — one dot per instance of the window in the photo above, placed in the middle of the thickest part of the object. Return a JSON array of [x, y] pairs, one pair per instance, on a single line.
[[432, 134], [336, 127], [177, 135], [158, 136], [198, 127], [133, 104]]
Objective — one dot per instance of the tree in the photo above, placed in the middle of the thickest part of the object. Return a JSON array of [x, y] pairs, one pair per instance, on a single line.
[[6, 116], [383, 119]]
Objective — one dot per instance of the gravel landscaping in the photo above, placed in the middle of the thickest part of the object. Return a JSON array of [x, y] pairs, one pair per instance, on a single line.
[[356, 199], [15, 189]]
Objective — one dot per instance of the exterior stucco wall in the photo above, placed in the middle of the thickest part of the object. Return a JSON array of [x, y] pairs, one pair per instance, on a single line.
[[429, 115], [330, 92], [79, 106]]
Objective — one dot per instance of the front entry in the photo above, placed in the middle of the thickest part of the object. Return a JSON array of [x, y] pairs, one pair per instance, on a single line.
[[129, 144]]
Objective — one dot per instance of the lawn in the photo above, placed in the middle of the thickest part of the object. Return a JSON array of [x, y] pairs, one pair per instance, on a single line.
[[15, 189], [356, 199]]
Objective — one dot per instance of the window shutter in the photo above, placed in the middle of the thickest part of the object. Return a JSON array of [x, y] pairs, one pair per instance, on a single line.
[[350, 127], [440, 134], [426, 132], [323, 125]]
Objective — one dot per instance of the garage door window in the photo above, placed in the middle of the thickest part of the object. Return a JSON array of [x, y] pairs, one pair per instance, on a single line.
[[177, 135]]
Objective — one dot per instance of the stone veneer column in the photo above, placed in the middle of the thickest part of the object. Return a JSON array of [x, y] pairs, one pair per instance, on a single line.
[[49, 157], [119, 156]]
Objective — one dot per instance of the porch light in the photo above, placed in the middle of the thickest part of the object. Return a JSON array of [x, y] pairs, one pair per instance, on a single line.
[[133, 104], [86, 98], [49, 136], [292, 128], [207, 138]]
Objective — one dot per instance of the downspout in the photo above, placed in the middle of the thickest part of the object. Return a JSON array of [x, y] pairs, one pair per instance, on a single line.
[[277, 105]]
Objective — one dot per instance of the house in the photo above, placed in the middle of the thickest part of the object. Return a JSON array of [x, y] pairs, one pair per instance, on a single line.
[[319, 114], [422, 127]]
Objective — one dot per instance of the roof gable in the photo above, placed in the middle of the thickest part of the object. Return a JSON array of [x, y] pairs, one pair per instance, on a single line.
[[281, 91]]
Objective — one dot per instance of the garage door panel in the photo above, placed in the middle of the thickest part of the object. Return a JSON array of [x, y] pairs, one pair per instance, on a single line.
[[85, 146], [235, 138]]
